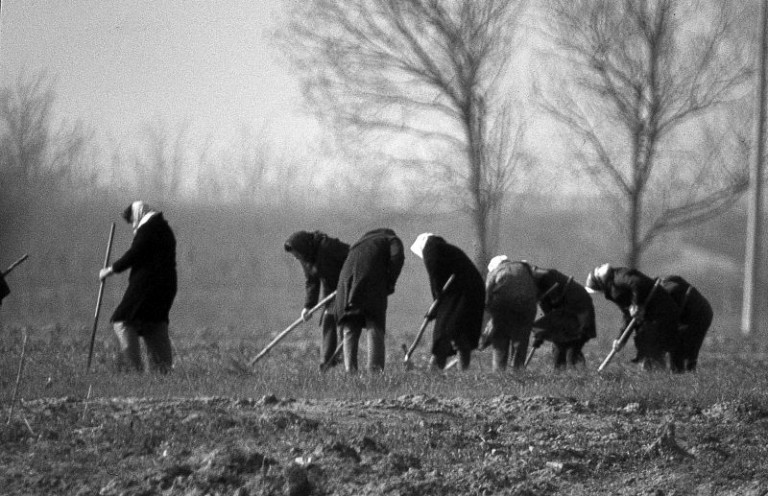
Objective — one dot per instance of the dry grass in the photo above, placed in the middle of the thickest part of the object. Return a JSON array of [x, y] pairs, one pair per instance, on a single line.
[[57, 369]]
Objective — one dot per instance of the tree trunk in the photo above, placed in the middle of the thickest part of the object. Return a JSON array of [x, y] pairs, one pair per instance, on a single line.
[[473, 122]]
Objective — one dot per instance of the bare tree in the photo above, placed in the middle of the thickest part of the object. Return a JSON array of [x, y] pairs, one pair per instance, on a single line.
[[642, 99], [421, 82], [160, 162], [38, 155]]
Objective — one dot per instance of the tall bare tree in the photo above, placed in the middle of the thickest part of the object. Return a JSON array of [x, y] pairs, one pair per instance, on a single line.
[[423, 83], [38, 154], [161, 162], [645, 83]]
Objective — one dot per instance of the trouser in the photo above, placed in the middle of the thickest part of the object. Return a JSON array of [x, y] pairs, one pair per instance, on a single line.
[[156, 341], [504, 345], [438, 362], [351, 330], [564, 354], [331, 339], [511, 333], [564, 328]]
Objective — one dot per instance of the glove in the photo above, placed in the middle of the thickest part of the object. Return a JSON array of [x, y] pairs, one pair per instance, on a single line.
[[305, 314], [636, 312], [104, 273], [538, 342]]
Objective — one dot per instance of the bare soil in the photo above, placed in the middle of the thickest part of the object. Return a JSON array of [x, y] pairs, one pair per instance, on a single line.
[[410, 445]]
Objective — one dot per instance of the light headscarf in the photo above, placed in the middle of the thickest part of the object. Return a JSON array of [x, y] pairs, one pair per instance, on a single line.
[[496, 261], [140, 214], [597, 278], [418, 246]]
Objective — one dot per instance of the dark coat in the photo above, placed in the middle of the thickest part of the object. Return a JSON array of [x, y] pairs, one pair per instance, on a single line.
[[510, 298], [695, 310], [459, 314], [569, 297], [627, 287], [695, 318], [321, 257], [152, 281], [368, 277]]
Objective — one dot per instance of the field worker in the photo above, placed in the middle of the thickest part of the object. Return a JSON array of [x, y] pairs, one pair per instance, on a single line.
[[658, 318], [321, 257], [459, 314], [695, 318], [569, 316], [367, 278], [510, 300], [143, 311]]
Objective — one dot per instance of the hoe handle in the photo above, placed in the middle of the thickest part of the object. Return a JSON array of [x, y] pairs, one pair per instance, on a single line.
[[288, 329], [14, 264], [427, 316], [98, 300], [633, 324]]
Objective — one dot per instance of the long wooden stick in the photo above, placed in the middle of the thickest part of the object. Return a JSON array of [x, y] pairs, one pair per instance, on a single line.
[[98, 300], [291, 327], [14, 264], [635, 322], [18, 377], [427, 317]]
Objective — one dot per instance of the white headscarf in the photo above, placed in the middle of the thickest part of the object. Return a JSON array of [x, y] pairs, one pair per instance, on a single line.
[[418, 246], [140, 214], [596, 279], [496, 261]]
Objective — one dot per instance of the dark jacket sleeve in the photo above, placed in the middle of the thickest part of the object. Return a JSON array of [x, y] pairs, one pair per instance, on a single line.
[[138, 251], [312, 285], [396, 261]]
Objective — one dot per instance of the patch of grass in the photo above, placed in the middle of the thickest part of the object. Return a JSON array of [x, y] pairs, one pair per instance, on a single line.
[[57, 369]]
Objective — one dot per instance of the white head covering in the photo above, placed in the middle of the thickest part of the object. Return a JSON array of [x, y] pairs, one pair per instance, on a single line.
[[140, 213], [418, 246], [596, 279], [496, 261]]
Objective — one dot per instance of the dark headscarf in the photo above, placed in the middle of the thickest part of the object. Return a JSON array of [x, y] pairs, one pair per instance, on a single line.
[[304, 244]]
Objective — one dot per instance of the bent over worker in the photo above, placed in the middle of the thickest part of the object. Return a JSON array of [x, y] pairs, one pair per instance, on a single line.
[[366, 280], [321, 257], [695, 318], [152, 283], [510, 299], [569, 316], [629, 290], [459, 315]]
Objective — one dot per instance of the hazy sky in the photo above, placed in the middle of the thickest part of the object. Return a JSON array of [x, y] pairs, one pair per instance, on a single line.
[[120, 64]]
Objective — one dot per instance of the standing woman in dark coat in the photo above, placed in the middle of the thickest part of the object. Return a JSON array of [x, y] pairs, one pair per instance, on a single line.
[[321, 257], [510, 299], [569, 316], [143, 311], [459, 314], [629, 290], [695, 318], [367, 278]]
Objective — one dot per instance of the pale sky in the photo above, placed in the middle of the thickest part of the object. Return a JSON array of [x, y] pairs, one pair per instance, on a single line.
[[122, 63]]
